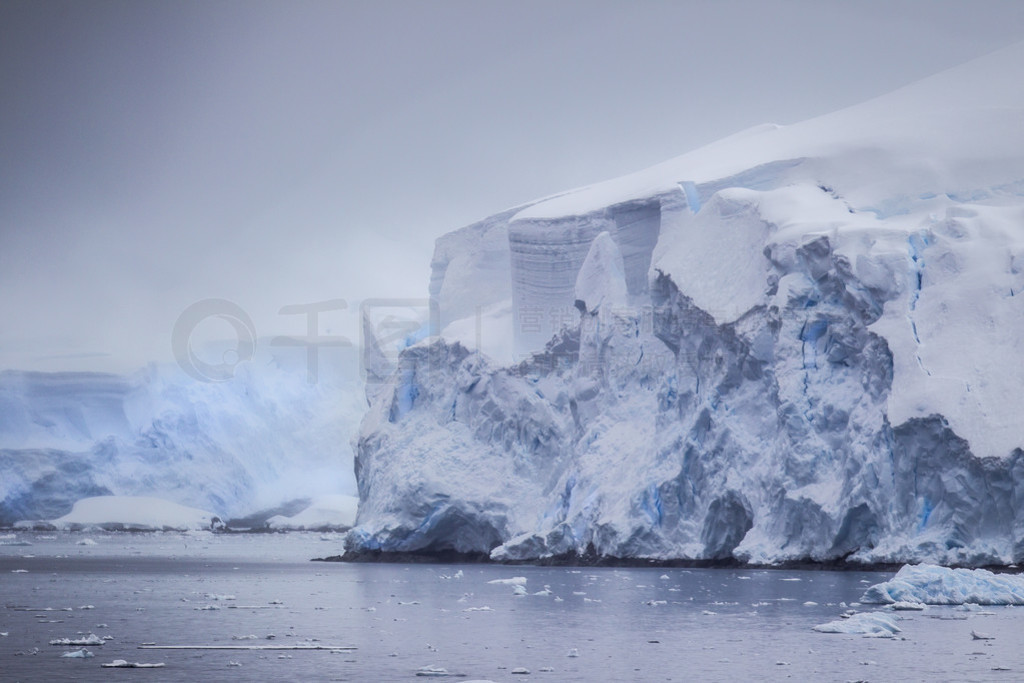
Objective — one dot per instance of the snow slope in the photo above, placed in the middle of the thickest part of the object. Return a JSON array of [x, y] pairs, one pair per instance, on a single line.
[[265, 437], [822, 362]]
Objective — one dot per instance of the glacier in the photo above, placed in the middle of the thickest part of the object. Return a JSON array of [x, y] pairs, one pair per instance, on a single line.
[[266, 440], [801, 343]]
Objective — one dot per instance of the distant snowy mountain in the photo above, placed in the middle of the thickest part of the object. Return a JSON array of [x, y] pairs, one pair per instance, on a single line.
[[800, 342], [263, 438]]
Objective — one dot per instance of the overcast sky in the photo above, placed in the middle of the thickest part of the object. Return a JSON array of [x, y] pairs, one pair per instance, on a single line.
[[153, 154]]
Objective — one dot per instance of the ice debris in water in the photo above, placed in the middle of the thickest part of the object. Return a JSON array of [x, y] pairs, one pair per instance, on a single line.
[[868, 624], [86, 541], [436, 672], [514, 581], [91, 639], [934, 585], [124, 664], [78, 654]]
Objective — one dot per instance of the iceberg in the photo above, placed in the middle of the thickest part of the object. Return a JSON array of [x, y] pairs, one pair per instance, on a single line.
[[334, 512], [134, 513], [868, 624], [814, 354], [932, 585]]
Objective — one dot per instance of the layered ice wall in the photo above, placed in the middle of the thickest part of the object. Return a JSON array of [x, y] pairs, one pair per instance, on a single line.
[[822, 362], [546, 255]]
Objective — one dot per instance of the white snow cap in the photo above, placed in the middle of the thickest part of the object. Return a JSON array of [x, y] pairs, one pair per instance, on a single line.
[[602, 278]]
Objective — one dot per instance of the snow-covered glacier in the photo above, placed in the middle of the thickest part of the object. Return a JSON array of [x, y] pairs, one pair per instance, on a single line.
[[264, 438], [798, 343]]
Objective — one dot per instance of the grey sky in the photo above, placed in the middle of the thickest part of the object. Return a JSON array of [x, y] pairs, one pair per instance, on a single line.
[[153, 154]]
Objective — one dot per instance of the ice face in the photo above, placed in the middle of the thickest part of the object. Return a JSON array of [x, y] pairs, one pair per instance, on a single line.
[[821, 365], [232, 448]]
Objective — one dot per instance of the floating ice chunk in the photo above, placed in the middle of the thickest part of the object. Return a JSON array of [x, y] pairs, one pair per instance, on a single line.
[[206, 608], [810, 603], [664, 577], [573, 653], [19, 571], [248, 637], [514, 581], [904, 606], [869, 624], [78, 654], [86, 541], [485, 608], [518, 590], [708, 613], [977, 635], [655, 603], [124, 664], [91, 639], [234, 664], [933, 585], [520, 670], [436, 672], [4, 634]]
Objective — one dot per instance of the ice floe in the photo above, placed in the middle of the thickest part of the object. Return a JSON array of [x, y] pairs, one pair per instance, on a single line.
[[934, 585]]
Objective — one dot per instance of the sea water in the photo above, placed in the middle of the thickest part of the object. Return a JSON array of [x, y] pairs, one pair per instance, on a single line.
[[303, 620]]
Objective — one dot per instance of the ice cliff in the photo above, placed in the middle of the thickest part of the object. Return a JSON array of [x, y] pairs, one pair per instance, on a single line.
[[264, 438], [800, 342]]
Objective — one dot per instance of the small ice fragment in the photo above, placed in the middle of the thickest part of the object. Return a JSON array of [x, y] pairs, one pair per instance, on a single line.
[[19, 571], [3, 634], [664, 577], [276, 602], [86, 607], [792, 578], [485, 608], [433, 671], [579, 592], [905, 606], [234, 664], [78, 654], [654, 603], [514, 581], [91, 639], [545, 591], [546, 669], [518, 590], [520, 670], [411, 602], [781, 663], [708, 613], [123, 664], [86, 541], [978, 635], [573, 653], [869, 624], [206, 608], [810, 603], [248, 637]]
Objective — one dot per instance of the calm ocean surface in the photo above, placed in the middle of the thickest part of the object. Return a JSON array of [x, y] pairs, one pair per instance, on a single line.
[[587, 625]]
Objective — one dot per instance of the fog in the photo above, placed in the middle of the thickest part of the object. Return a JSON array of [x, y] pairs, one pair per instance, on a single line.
[[275, 154]]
